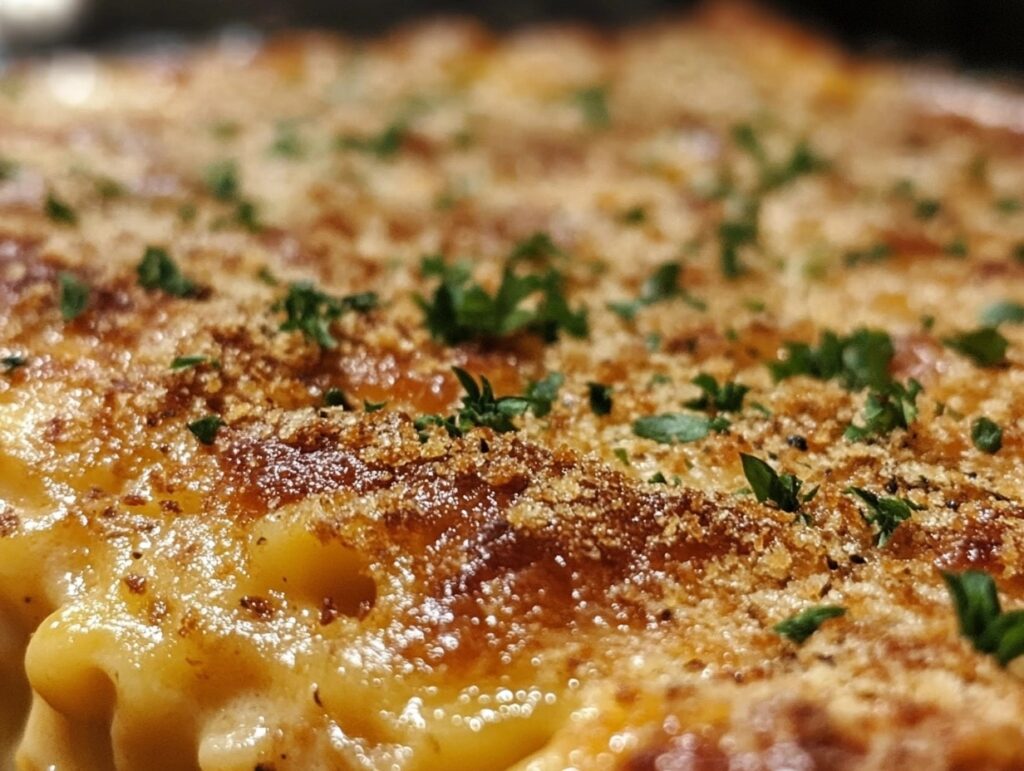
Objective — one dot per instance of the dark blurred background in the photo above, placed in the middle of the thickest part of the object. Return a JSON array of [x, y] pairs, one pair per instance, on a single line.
[[983, 33]]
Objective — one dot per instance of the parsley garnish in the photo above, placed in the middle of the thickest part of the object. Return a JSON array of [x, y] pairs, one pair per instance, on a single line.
[[222, 180], [312, 312], [58, 211], [859, 360], [593, 104], [981, 619], [247, 215], [768, 485], [635, 215], [802, 625], [374, 406], [986, 435], [871, 254], [461, 310], [287, 143], [682, 427], [734, 232], [1007, 205], [1005, 312], [887, 408], [384, 144], [335, 397], [926, 208], [542, 393], [662, 285], [8, 169], [885, 513], [12, 362], [189, 362], [802, 159], [205, 429], [985, 346], [727, 397], [74, 295], [600, 397], [158, 271], [537, 247], [479, 408]]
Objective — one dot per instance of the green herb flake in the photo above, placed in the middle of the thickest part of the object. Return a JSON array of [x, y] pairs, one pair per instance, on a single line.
[[1005, 312], [985, 346], [635, 215], [312, 312], [593, 105], [799, 627], [12, 362], [768, 485], [205, 429], [374, 406], [8, 169], [885, 513], [158, 271], [480, 408], [287, 142], [956, 248], [727, 397], [600, 396], [986, 435], [859, 360], [660, 286], [383, 145], [542, 393], [622, 455], [59, 211], [1007, 205], [190, 362], [74, 295], [335, 397], [735, 232], [681, 427], [802, 160], [981, 618], [890, 407], [867, 256], [926, 208], [222, 181], [461, 310]]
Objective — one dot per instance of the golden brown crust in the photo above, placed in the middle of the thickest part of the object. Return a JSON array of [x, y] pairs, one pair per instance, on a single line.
[[319, 588]]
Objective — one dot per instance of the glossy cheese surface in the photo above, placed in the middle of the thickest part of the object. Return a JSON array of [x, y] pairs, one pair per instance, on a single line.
[[319, 588]]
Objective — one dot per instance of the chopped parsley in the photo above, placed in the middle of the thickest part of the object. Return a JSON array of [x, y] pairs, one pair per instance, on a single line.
[[74, 295], [858, 360], [462, 310], [867, 256], [661, 285], [985, 346], [727, 397], [158, 271], [374, 406], [1007, 205], [59, 211], [12, 362], [205, 429], [593, 105], [287, 143], [886, 513], [768, 485], [986, 435], [682, 427], [335, 397], [635, 215], [384, 144], [956, 248], [542, 393], [190, 362], [981, 618], [536, 248], [247, 215], [480, 408], [802, 625], [735, 232], [926, 208], [600, 396], [887, 408], [222, 181], [8, 169], [802, 159], [312, 312], [1005, 312]]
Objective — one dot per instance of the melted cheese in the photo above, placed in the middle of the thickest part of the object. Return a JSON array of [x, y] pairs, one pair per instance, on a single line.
[[319, 589]]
